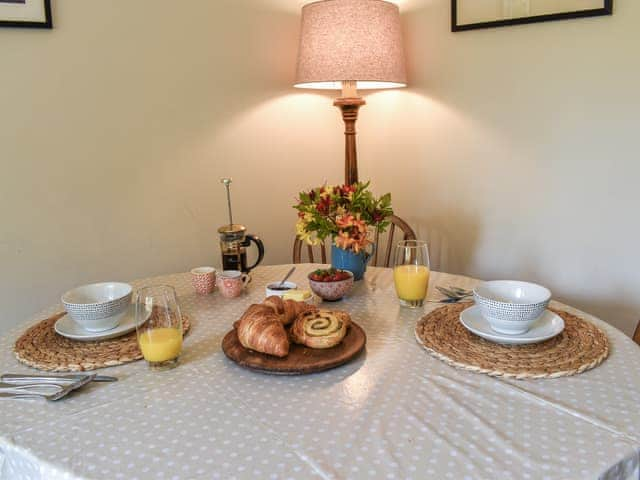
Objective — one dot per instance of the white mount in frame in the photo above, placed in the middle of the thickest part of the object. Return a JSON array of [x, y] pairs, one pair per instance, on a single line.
[[475, 14], [25, 13]]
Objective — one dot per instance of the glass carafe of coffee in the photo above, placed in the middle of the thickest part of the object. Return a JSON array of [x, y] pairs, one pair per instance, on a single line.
[[233, 244]]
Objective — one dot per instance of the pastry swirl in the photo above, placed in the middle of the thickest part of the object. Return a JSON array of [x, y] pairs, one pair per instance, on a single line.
[[320, 329]]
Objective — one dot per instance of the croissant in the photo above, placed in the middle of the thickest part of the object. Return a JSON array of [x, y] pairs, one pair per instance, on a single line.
[[288, 309], [320, 329], [261, 329]]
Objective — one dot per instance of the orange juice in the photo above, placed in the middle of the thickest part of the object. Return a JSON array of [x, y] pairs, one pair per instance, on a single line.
[[160, 344], [411, 282]]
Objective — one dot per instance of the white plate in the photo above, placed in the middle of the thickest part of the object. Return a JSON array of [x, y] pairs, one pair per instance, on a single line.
[[547, 326], [66, 327]]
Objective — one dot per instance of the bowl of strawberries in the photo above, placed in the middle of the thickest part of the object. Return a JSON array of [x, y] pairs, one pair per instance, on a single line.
[[330, 284]]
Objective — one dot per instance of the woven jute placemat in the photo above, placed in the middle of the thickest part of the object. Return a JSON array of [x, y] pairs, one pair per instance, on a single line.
[[42, 348], [580, 347]]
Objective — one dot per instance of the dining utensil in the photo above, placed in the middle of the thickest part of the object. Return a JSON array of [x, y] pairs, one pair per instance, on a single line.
[[160, 337], [511, 307], [547, 326], [411, 272], [99, 306], [446, 292], [286, 277], [450, 296], [460, 291], [31, 386], [56, 391], [454, 292], [17, 379], [449, 300], [67, 327]]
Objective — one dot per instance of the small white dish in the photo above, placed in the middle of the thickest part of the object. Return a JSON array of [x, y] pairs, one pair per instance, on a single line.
[[547, 326], [67, 327], [286, 286]]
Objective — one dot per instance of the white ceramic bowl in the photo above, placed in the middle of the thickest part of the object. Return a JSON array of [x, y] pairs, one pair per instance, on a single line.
[[99, 306], [332, 291], [271, 288], [511, 307]]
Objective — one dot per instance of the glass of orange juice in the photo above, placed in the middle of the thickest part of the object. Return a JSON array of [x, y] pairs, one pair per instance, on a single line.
[[159, 326], [411, 272]]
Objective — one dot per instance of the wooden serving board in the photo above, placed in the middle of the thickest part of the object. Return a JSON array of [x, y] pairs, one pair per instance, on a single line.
[[301, 359]]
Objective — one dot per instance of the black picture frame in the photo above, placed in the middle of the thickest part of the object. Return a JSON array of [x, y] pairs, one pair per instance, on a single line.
[[47, 23], [607, 9]]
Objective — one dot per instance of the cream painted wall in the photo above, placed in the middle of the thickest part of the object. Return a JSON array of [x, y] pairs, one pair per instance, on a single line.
[[513, 151], [516, 152], [117, 125]]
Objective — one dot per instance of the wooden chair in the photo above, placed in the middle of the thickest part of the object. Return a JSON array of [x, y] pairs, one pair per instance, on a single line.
[[396, 223], [297, 252], [636, 334], [389, 243]]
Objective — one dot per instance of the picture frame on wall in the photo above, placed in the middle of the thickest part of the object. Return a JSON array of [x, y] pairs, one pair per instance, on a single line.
[[474, 14], [25, 13]]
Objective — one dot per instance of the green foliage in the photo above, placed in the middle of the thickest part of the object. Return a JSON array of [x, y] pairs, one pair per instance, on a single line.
[[346, 210]]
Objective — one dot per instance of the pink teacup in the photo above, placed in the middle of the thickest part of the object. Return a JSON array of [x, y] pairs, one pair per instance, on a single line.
[[203, 280], [231, 282]]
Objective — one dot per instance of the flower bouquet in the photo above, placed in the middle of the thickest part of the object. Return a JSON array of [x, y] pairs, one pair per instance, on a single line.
[[347, 214]]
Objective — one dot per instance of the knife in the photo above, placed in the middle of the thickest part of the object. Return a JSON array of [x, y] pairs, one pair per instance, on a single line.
[[22, 379], [37, 390]]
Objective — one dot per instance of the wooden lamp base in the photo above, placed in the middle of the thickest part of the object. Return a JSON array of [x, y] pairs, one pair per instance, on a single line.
[[349, 104]]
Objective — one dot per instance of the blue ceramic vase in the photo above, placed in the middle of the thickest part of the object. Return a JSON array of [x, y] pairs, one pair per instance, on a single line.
[[356, 263]]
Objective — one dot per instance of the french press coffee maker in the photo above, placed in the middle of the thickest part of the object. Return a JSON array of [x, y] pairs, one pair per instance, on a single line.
[[234, 242]]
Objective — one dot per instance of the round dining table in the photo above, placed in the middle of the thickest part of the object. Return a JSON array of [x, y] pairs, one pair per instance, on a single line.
[[394, 412]]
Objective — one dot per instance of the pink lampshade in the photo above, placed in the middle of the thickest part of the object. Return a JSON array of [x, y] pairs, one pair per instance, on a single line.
[[351, 40]]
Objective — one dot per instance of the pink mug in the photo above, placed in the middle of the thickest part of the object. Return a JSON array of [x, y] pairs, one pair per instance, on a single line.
[[231, 282], [203, 280]]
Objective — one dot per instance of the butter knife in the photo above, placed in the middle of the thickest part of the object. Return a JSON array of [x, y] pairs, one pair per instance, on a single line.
[[36, 391], [19, 379]]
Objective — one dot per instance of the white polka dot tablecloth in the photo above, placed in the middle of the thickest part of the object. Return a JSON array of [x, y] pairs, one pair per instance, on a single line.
[[394, 413]]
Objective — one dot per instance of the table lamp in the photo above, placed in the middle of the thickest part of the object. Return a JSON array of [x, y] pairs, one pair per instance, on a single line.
[[349, 45]]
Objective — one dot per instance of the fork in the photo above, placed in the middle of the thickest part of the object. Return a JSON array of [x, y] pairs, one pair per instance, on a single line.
[[36, 390], [461, 291], [453, 294]]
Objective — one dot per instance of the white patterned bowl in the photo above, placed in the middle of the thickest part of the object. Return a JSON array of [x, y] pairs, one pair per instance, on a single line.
[[332, 291], [99, 306], [511, 307]]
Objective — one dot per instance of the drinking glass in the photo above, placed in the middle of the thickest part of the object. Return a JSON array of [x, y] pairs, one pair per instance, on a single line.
[[411, 272], [159, 326]]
